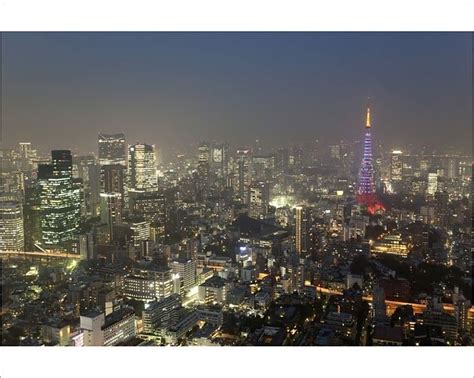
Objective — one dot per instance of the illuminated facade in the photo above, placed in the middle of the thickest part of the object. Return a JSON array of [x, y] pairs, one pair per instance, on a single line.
[[161, 314], [366, 189], [149, 284], [142, 168], [244, 167], [119, 326], [12, 237], [59, 200], [390, 244], [112, 149], [432, 184], [396, 166], [301, 229], [259, 199], [186, 270], [112, 195]]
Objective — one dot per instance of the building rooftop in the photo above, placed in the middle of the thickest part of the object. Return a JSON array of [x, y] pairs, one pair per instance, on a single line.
[[214, 281]]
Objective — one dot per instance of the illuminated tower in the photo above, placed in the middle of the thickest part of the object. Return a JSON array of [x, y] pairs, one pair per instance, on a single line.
[[366, 190], [301, 229]]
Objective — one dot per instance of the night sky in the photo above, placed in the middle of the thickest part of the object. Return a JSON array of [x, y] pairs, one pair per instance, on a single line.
[[176, 89]]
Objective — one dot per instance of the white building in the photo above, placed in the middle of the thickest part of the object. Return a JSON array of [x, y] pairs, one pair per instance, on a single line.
[[119, 326], [12, 237], [91, 324]]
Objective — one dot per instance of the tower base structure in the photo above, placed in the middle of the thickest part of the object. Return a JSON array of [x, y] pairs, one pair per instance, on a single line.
[[372, 202]]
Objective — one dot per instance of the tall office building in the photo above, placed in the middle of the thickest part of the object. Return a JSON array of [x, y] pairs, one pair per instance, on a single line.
[[32, 215], [112, 195], [301, 229], [432, 183], [442, 208], [59, 200], [12, 237], [244, 168], [203, 170], [186, 270], [204, 161], [396, 166], [142, 168], [220, 160], [259, 199], [112, 149], [88, 170], [27, 156]]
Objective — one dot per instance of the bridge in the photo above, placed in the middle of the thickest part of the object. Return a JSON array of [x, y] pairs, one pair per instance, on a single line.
[[40, 254]]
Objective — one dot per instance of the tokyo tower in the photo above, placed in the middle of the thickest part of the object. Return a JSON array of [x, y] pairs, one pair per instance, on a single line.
[[366, 190]]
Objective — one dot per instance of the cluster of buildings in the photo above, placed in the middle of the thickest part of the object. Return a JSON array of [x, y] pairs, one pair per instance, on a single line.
[[302, 245]]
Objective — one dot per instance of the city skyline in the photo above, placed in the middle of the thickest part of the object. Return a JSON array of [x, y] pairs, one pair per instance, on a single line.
[[177, 89], [312, 221]]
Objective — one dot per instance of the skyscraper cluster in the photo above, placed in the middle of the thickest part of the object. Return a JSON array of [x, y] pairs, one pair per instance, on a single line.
[[302, 244]]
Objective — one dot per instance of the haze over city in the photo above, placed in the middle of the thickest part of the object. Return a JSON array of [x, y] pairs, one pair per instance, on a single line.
[[236, 189], [176, 89]]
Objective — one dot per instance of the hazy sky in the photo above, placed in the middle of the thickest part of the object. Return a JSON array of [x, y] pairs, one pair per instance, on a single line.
[[175, 89]]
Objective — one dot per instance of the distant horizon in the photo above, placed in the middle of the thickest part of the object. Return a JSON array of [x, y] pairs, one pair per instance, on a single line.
[[175, 90]]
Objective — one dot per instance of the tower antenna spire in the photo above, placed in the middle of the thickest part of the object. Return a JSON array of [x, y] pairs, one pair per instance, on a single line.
[[368, 124]]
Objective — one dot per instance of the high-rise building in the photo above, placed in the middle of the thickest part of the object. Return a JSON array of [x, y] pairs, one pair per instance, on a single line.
[[87, 169], [203, 170], [442, 208], [112, 149], [27, 156], [112, 195], [142, 168], [366, 189], [32, 216], [186, 270], [161, 314], [150, 283], [432, 183], [149, 206], [259, 199], [301, 229], [396, 166], [140, 232], [244, 167], [220, 160], [59, 200], [12, 237], [204, 160]]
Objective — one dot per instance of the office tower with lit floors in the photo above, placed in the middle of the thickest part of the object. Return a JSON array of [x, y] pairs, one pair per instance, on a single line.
[[59, 200], [142, 168], [12, 237], [301, 229], [112, 149]]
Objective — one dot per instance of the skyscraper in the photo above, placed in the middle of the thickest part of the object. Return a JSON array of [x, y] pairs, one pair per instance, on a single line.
[[12, 237], [259, 199], [142, 167], [244, 167], [301, 229], [204, 160], [112, 195], [203, 170], [396, 166], [366, 189], [112, 149], [432, 183], [59, 200], [220, 159]]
